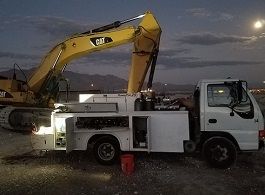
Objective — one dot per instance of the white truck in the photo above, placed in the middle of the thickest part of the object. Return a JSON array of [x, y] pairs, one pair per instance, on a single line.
[[224, 119]]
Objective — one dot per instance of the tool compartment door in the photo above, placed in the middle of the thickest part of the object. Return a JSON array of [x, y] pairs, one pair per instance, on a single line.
[[168, 130], [69, 134]]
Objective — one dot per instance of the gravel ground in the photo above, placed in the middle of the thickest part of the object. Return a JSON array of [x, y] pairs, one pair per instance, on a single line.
[[22, 172]]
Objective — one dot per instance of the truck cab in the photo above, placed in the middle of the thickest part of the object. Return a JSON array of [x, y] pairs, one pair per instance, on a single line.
[[222, 110], [228, 115]]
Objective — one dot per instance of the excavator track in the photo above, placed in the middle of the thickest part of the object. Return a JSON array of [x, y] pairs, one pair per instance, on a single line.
[[24, 119]]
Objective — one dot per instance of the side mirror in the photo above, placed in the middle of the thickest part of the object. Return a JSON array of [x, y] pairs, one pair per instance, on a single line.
[[236, 92]]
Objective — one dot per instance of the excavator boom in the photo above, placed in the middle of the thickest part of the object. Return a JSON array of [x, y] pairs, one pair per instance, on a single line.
[[145, 40], [80, 45]]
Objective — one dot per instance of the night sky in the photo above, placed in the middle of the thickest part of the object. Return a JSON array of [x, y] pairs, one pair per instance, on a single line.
[[200, 39]]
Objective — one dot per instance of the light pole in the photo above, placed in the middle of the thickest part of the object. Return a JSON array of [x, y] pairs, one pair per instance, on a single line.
[[164, 89]]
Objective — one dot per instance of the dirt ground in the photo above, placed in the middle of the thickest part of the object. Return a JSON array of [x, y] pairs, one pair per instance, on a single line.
[[22, 172]]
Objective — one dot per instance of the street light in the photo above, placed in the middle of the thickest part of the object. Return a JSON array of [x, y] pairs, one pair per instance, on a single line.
[[259, 23]]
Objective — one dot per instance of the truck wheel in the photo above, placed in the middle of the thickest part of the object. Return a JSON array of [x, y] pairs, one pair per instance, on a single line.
[[106, 150], [219, 152]]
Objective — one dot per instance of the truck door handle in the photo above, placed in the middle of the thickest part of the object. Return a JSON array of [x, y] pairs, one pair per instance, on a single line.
[[212, 120]]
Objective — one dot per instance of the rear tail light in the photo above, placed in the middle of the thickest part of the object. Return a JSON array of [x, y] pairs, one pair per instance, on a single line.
[[262, 134]]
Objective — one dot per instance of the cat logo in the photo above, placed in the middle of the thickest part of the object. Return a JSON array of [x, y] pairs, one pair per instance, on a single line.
[[4, 94], [97, 41], [100, 41]]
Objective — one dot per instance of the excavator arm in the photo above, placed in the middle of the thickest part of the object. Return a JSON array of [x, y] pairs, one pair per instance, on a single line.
[[144, 55], [145, 39]]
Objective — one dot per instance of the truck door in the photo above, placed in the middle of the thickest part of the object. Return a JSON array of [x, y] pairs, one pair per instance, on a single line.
[[241, 122]]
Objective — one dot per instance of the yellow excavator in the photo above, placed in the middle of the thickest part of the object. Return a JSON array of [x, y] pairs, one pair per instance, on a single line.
[[25, 104]]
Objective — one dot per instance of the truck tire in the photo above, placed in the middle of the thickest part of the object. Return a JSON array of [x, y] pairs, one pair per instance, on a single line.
[[219, 152], [106, 150]]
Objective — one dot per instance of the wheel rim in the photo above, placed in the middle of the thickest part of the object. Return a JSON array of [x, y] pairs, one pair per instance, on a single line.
[[219, 153], [106, 151]]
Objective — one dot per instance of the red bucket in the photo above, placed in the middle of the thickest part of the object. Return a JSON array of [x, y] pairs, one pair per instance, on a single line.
[[127, 164]]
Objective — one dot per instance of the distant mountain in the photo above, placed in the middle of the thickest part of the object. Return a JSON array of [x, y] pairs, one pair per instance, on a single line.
[[104, 83], [109, 83], [91, 82]]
